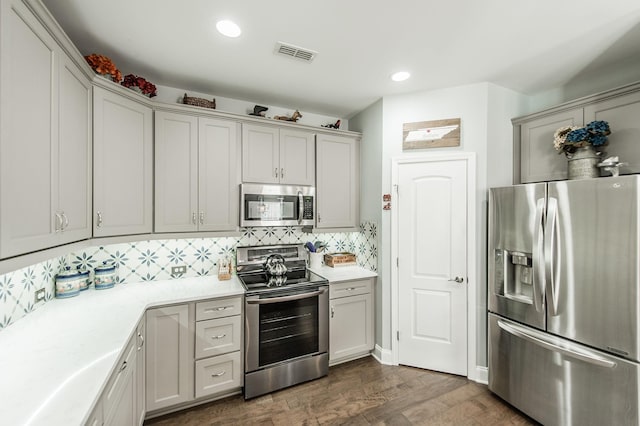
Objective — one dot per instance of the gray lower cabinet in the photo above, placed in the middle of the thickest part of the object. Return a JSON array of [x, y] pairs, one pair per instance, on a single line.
[[45, 138], [192, 351], [218, 366], [351, 323], [337, 182], [123, 164], [197, 173], [169, 356], [119, 404]]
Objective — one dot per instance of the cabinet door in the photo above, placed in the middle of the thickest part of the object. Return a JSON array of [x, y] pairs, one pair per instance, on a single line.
[[539, 161], [96, 418], [218, 175], [350, 327], [260, 154], [27, 128], [124, 409], [622, 114], [338, 197], [297, 158], [139, 388], [176, 185], [123, 165], [169, 357], [74, 153]]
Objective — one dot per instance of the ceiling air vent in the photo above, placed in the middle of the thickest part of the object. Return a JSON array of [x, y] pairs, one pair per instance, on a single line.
[[295, 52]]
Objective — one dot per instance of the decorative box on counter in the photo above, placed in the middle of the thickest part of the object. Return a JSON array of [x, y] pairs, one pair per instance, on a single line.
[[340, 259]]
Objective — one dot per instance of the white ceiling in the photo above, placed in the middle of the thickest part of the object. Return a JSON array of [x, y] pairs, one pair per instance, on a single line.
[[525, 45]]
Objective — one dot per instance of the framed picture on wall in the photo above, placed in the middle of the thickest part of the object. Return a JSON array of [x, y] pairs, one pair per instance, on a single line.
[[431, 134]]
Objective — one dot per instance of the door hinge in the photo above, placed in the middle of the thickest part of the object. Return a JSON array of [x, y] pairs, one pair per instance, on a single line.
[[398, 335]]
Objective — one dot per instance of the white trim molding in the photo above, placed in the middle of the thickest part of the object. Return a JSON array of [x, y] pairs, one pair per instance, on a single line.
[[473, 371], [482, 375], [383, 356]]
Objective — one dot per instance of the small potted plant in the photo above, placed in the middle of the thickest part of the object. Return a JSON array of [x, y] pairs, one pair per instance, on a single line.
[[583, 147]]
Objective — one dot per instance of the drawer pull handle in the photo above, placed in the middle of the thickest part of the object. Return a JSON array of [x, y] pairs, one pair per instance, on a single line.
[[221, 308], [124, 366], [220, 336], [333, 312], [219, 374], [141, 337]]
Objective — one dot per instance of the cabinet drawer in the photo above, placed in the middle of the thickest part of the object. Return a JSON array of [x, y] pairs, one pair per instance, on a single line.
[[218, 308], [218, 374], [349, 288], [218, 336], [118, 380]]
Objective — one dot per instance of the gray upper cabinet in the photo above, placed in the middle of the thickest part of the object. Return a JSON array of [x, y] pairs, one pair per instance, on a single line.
[[197, 173], [123, 165], [337, 182], [44, 128], [623, 115], [535, 159], [277, 156], [539, 161]]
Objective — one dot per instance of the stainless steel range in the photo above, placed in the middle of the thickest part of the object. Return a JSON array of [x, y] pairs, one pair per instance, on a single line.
[[286, 318]]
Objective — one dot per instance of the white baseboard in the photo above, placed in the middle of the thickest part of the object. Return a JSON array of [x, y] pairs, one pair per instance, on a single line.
[[383, 356], [482, 375]]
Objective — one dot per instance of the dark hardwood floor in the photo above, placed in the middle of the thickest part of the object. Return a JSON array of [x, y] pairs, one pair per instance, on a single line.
[[362, 392]]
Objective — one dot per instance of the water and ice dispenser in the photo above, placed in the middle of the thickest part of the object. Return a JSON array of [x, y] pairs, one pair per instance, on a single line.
[[513, 275]]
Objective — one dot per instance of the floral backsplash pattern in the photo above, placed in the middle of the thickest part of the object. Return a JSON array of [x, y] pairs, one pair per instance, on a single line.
[[152, 261]]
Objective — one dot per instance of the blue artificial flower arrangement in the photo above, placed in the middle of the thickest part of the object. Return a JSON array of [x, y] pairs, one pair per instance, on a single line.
[[569, 138]]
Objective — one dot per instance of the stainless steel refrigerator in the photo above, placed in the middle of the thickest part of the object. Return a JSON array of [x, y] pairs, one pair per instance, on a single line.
[[564, 340]]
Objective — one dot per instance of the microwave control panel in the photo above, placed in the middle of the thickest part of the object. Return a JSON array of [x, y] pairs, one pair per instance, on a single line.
[[307, 207]]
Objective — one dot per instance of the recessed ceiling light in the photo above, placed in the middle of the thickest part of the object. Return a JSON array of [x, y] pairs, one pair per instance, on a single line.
[[400, 76], [228, 28]]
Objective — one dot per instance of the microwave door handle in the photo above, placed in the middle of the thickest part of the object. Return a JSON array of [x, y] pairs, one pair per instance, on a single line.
[[300, 206], [538, 271]]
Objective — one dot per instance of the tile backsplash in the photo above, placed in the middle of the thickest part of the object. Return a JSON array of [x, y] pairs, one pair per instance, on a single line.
[[152, 260]]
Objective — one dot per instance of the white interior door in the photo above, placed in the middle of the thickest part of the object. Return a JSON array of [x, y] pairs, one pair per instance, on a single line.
[[432, 257]]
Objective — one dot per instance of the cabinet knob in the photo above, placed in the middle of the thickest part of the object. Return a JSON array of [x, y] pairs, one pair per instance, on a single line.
[[282, 173], [99, 219], [276, 172]]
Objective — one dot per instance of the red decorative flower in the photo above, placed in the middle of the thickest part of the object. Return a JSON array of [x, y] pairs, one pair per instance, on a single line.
[[146, 87]]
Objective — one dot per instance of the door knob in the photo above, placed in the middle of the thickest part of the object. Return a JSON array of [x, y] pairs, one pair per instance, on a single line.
[[457, 279]]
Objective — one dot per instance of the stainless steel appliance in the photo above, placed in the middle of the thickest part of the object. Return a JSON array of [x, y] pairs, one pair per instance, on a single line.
[[564, 336], [286, 318], [277, 205]]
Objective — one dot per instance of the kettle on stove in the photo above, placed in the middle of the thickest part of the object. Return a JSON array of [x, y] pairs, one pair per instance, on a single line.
[[274, 265]]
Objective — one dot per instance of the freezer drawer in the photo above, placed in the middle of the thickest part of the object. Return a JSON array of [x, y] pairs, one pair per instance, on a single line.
[[558, 382]]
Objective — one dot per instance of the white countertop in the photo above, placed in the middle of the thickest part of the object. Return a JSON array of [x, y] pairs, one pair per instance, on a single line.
[[343, 273], [55, 362]]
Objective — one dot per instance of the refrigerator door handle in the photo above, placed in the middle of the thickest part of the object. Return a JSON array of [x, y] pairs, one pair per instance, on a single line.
[[538, 271], [550, 255], [543, 341]]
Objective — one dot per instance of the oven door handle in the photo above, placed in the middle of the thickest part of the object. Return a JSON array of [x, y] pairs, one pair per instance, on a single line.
[[286, 298]]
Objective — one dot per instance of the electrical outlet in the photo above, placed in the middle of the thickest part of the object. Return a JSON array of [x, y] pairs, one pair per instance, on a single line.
[[178, 270], [39, 296]]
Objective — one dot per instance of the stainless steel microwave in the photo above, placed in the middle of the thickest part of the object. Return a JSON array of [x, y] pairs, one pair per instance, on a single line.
[[277, 205]]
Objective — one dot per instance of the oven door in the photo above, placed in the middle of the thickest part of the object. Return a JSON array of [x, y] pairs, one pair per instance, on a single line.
[[284, 327], [276, 205]]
